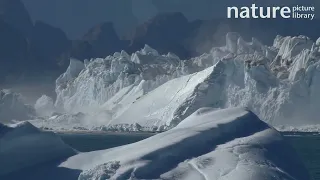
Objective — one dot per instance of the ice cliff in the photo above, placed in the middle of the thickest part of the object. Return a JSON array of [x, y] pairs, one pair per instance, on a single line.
[[147, 90], [85, 87]]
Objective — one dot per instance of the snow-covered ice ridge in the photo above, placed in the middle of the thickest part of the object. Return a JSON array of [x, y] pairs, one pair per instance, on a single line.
[[230, 144], [85, 87], [149, 91]]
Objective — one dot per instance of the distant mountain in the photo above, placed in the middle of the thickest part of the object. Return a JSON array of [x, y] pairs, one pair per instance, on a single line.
[[41, 48], [100, 41], [165, 32], [103, 39], [48, 45], [75, 17], [172, 32], [27, 49], [15, 13], [13, 50]]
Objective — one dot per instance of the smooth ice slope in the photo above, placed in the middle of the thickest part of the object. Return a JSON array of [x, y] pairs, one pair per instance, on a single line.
[[173, 101], [230, 144], [23, 145]]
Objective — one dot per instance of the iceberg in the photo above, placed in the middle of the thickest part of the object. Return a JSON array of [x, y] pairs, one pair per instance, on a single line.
[[85, 87], [151, 92], [230, 144], [12, 107], [63, 122], [168, 104]]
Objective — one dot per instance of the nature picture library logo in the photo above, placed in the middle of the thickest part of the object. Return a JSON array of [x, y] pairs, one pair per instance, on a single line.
[[294, 12]]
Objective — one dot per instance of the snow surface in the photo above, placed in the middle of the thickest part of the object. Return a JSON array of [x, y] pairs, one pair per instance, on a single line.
[[210, 144], [12, 107], [23, 145], [232, 144], [303, 128], [168, 104], [149, 92], [63, 122]]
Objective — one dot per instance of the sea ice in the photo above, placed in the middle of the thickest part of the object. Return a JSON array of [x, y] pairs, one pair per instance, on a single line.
[[231, 144]]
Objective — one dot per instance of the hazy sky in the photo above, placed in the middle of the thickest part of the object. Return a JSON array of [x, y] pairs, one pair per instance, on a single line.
[[75, 17]]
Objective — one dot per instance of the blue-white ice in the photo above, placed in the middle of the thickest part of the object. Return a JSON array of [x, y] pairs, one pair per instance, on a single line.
[[231, 144], [279, 83]]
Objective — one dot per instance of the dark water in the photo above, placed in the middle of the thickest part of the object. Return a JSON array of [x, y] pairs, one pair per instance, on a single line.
[[94, 142], [307, 145], [308, 148]]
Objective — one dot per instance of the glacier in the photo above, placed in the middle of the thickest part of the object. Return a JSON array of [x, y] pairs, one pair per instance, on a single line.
[[147, 91], [232, 144]]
